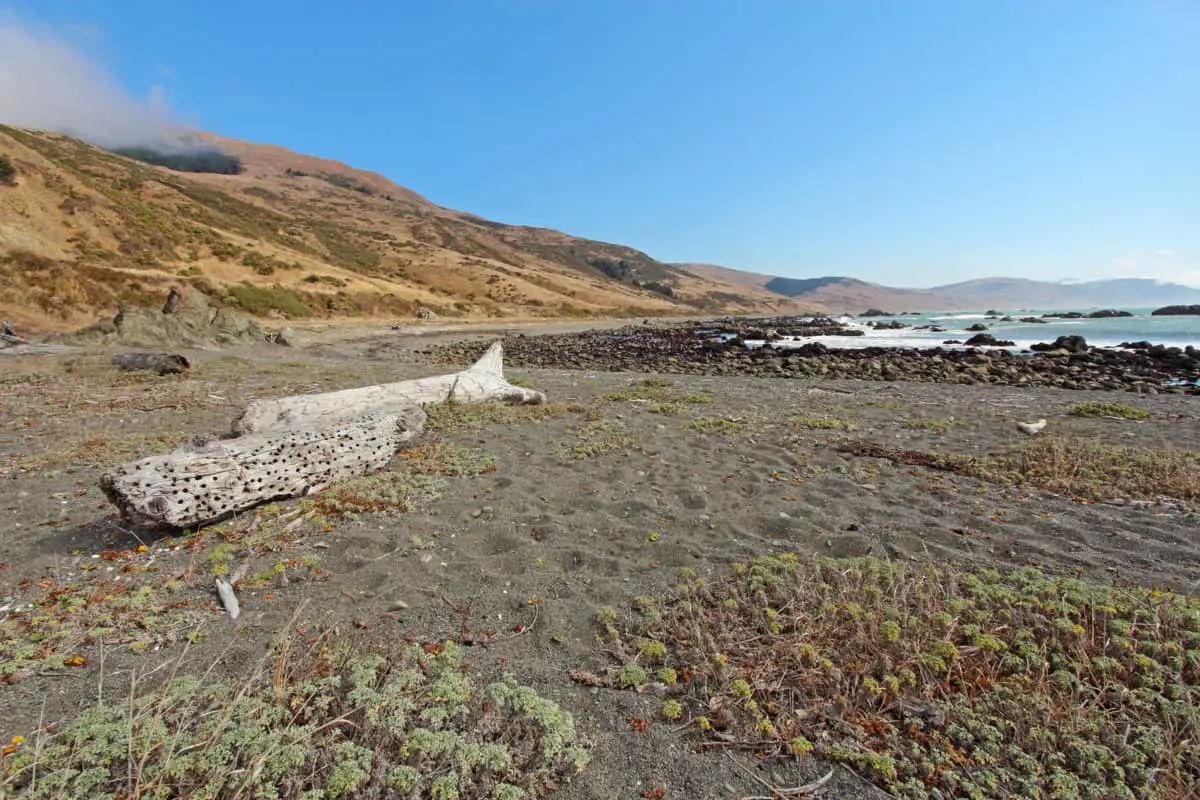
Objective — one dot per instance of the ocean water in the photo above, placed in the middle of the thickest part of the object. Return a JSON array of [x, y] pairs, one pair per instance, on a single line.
[[1173, 331]]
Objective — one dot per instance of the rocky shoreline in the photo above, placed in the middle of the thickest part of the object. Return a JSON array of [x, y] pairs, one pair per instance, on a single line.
[[719, 348]]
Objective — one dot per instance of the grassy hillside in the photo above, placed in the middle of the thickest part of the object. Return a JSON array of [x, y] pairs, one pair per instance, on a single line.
[[84, 231]]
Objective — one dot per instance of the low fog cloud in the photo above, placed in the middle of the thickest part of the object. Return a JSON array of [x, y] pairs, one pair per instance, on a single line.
[[47, 84]]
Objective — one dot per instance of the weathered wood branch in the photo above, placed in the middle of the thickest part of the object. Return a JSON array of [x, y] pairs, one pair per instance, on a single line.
[[484, 380], [207, 480]]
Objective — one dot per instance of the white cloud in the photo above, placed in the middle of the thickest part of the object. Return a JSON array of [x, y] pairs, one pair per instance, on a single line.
[[1163, 264], [46, 83]]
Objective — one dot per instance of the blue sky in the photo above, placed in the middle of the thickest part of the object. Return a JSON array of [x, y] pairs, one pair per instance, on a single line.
[[910, 143]]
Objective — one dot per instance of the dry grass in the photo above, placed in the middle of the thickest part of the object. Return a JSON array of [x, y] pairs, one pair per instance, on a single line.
[[1084, 468], [452, 417], [974, 684]]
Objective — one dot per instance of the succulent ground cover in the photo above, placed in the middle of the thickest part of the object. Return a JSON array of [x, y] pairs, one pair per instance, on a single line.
[[974, 683]]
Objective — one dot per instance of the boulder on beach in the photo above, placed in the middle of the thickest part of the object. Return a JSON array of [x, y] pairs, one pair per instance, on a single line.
[[185, 320], [1176, 311], [987, 340], [1071, 344]]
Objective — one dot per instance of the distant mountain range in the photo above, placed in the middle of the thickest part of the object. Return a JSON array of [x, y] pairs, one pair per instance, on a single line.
[[283, 235], [842, 294]]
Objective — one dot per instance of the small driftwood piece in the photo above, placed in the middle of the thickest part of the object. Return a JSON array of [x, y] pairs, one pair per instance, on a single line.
[[210, 479], [162, 363], [483, 381], [228, 598]]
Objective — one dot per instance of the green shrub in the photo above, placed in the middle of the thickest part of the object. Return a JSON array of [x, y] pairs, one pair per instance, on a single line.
[[260, 300], [1119, 410], [334, 718]]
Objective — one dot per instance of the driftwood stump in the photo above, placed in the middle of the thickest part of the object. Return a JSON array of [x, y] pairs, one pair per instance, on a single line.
[[207, 480], [483, 381]]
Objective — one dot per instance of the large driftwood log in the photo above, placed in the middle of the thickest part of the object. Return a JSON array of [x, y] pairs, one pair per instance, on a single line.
[[207, 480], [484, 380]]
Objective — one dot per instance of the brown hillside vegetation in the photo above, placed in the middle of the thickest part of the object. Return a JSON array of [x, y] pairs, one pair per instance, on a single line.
[[84, 232]]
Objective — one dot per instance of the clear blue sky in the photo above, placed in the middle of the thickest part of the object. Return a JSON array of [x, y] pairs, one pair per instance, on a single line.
[[910, 143]]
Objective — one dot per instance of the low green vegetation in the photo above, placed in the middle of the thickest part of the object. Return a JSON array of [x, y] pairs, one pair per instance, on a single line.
[[328, 717], [655, 391], [447, 417], [260, 300], [1082, 468], [821, 423], [1118, 410], [592, 440], [929, 424], [8, 170], [980, 684], [722, 426]]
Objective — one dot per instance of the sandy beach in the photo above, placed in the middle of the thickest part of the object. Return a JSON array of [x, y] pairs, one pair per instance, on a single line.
[[530, 520]]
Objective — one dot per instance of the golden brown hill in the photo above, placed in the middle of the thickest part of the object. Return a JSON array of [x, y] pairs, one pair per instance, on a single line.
[[84, 231]]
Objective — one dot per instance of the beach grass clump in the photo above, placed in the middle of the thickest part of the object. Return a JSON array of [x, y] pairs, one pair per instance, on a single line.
[[387, 492], [720, 426], [1075, 467], [56, 631], [452, 417], [146, 597], [821, 423], [1113, 410], [592, 440], [655, 392], [332, 716], [970, 683], [101, 451], [929, 424], [446, 460]]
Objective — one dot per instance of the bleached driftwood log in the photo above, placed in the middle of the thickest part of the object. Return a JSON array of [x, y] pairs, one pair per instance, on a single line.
[[207, 480], [484, 380]]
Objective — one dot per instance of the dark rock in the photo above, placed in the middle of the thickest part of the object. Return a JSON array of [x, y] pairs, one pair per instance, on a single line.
[[1176, 311], [978, 326], [1072, 344], [174, 298], [875, 312], [1109, 313], [1034, 321], [162, 363], [987, 340]]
